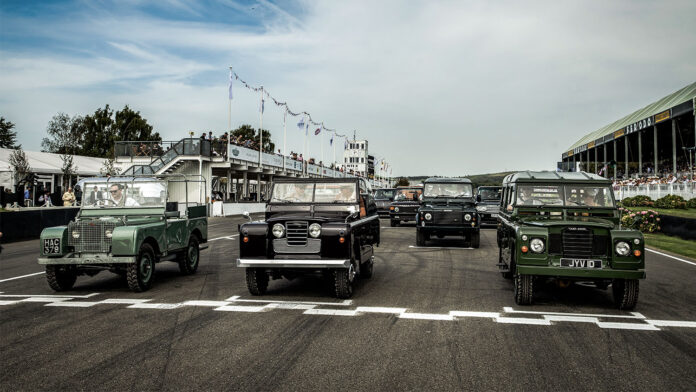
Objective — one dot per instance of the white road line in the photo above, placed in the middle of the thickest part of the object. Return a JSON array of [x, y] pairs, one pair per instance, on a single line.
[[227, 237], [214, 304], [459, 313], [520, 320], [7, 302], [48, 295], [672, 323], [331, 312], [376, 309], [572, 319], [438, 247], [634, 315], [23, 276], [666, 255], [633, 326], [73, 304], [236, 298], [124, 301], [155, 306], [237, 308], [44, 299], [426, 316]]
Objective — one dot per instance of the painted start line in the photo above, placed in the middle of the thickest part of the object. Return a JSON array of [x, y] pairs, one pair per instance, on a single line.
[[509, 315]]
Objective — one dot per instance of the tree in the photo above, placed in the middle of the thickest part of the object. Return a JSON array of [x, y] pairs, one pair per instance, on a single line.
[[402, 181], [20, 165], [64, 135], [131, 126], [249, 133], [109, 168], [98, 133], [69, 169], [7, 137]]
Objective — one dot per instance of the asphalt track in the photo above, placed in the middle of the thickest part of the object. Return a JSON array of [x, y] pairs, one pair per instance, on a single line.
[[437, 318]]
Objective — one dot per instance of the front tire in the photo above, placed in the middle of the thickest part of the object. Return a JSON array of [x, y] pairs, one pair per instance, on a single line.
[[188, 262], [475, 240], [367, 268], [524, 289], [257, 281], [141, 273], [420, 237], [506, 274], [625, 293], [343, 282], [394, 223], [61, 278]]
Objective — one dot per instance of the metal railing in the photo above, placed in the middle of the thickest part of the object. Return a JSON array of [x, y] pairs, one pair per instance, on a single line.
[[187, 147], [656, 191]]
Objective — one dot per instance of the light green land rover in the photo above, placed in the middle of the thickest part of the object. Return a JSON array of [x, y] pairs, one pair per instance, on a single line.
[[126, 225]]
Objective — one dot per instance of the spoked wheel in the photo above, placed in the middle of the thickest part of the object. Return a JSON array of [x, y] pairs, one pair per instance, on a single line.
[[524, 289], [141, 273], [257, 281], [343, 281], [625, 293], [61, 277], [188, 262]]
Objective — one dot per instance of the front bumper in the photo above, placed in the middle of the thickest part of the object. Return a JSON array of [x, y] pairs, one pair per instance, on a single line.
[[72, 259], [578, 273], [293, 263], [449, 229], [406, 216], [488, 217]]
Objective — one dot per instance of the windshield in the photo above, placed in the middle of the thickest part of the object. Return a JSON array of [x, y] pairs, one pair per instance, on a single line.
[[490, 193], [588, 196], [408, 194], [448, 190], [384, 194], [124, 194], [568, 195], [334, 192]]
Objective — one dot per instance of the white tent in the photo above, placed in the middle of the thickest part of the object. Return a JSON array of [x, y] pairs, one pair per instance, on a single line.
[[47, 164]]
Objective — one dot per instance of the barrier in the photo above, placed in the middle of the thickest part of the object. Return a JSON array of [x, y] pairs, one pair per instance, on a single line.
[[27, 224], [228, 209], [656, 191]]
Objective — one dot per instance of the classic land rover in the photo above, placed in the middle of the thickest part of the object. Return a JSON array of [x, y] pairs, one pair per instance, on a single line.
[[312, 226], [488, 203], [405, 205], [448, 208], [566, 226], [383, 197], [125, 225]]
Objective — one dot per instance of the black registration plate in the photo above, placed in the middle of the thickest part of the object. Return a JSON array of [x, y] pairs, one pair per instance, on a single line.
[[581, 263], [51, 246]]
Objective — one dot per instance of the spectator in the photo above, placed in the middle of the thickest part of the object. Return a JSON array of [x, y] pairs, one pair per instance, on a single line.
[[27, 197], [68, 197], [203, 136], [45, 199]]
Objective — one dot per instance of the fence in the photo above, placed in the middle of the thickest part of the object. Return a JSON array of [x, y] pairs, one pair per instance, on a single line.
[[687, 191]]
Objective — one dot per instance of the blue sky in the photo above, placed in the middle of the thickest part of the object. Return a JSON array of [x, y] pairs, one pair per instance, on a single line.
[[438, 87]]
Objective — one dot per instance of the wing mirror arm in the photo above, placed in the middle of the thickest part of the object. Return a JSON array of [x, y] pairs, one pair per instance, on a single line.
[[246, 215]]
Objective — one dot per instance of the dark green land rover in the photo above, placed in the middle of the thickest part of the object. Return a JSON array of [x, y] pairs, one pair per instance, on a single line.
[[448, 208], [566, 226]]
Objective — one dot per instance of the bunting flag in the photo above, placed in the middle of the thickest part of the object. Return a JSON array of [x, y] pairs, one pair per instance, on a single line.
[[301, 124], [262, 102], [331, 141], [230, 87], [317, 131]]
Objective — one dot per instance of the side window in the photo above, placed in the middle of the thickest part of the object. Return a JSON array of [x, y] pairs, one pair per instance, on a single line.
[[363, 188]]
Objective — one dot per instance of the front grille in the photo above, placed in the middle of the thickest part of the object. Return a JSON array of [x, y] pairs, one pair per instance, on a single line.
[[447, 218], [555, 244], [296, 233], [92, 238], [577, 242]]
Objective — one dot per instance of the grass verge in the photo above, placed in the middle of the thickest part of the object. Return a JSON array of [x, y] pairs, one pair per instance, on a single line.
[[671, 244], [688, 213]]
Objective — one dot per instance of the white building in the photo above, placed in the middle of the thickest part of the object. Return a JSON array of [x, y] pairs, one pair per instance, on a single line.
[[355, 157]]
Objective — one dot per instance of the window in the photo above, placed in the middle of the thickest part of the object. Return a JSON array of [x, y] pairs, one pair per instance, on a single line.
[[362, 160]]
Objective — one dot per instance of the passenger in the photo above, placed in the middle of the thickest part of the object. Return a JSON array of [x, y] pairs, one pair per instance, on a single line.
[[588, 199], [300, 194], [117, 198], [347, 194]]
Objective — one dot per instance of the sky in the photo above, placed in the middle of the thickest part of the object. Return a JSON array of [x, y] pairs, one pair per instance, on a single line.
[[444, 88]]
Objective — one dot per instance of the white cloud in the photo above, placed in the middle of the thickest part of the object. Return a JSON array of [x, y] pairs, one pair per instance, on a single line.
[[438, 87]]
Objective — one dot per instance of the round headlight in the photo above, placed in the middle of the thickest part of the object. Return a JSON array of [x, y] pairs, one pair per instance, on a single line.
[[622, 248], [75, 234], [396, 209], [108, 233], [428, 216], [467, 217], [278, 230], [524, 237], [636, 241], [481, 208], [315, 230], [537, 245]]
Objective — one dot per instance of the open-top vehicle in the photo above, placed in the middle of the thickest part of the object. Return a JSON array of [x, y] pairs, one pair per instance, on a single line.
[[488, 203], [566, 226], [383, 198], [405, 205], [312, 226], [126, 225], [448, 208]]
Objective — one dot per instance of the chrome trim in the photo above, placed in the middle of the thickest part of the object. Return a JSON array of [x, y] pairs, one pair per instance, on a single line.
[[298, 263], [91, 259]]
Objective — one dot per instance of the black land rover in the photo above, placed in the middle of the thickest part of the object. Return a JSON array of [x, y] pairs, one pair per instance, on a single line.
[[384, 197], [488, 203], [405, 204], [312, 226], [448, 208]]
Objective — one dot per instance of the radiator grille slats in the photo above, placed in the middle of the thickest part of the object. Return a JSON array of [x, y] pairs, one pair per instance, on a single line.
[[92, 238], [296, 233], [577, 243]]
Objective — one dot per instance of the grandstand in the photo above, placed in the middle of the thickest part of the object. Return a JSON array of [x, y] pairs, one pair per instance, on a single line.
[[655, 140]]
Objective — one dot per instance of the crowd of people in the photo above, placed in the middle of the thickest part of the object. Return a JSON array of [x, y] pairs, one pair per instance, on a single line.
[[680, 178]]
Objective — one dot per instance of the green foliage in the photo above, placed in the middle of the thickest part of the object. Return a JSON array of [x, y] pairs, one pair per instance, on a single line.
[[20, 165], [94, 135], [691, 203], [647, 221], [402, 181], [68, 170], [671, 201], [7, 137], [110, 168], [247, 132], [637, 201]]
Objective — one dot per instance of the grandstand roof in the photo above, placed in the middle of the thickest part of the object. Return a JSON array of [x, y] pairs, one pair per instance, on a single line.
[[48, 163], [685, 94]]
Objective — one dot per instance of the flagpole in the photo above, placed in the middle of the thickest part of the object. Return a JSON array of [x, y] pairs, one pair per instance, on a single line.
[[229, 112], [304, 148], [285, 136], [261, 137], [333, 143], [321, 141]]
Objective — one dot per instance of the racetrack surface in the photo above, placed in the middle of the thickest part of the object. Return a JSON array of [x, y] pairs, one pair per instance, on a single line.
[[439, 317]]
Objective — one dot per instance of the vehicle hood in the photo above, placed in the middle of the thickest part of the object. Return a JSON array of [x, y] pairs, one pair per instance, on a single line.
[[579, 221]]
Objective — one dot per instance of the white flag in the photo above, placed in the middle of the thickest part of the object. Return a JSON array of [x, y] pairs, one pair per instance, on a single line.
[[230, 87]]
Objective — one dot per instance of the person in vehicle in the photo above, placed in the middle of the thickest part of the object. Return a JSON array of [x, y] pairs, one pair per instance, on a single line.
[[346, 194], [117, 198]]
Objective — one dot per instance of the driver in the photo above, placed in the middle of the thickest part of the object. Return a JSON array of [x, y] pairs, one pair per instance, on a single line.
[[347, 193], [117, 198], [588, 199], [300, 194]]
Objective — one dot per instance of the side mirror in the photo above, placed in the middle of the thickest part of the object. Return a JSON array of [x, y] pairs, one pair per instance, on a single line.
[[509, 208], [478, 198], [246, 215]]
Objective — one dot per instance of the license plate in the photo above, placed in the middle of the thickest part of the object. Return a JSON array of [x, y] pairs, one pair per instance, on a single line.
[[396, 217], [494, 215], [581, 263], [51, 246]]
